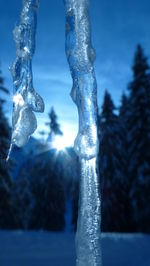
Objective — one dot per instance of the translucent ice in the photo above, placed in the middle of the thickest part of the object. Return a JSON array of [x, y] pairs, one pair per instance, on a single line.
[[25, 99], [24, 122], [81, 55], [88, 241]]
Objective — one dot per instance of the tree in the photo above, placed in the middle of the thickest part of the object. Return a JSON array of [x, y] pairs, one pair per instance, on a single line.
[[22, 200], [123, 120], [53, 125], [75, 202], [110, 165], [4, 126], [6, 209], [139, 141], [48, 193], [123, 110]]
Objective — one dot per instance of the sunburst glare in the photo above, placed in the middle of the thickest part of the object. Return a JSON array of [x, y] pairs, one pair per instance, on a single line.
[[60, 143]]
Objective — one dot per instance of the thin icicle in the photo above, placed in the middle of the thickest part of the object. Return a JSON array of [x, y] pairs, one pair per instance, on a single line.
[[25, 98], [81, 55]]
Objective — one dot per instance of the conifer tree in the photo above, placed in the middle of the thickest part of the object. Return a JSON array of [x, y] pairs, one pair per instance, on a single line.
[[53, 125], [123, 120], [123, 110], [48, 193], [139, 141], [110, 165], [6, 212], [4, 126], [22, 199]]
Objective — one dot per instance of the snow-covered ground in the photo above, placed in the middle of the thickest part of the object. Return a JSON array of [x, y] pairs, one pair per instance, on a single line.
[[19, 248]]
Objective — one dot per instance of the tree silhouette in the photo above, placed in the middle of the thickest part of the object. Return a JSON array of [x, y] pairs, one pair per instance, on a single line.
[[6, 210], [110, 165], [139, 141], [53, 124]]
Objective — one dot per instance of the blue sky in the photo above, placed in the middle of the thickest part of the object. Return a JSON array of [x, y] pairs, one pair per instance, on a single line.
[[117, 27]]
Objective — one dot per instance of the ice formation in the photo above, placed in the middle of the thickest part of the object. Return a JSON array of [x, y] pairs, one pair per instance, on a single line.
[[25, 99], [81, 55]]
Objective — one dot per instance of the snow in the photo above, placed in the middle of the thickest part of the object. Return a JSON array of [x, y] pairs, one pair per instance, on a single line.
[[18, 248]]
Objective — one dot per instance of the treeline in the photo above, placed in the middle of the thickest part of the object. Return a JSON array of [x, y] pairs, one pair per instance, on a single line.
[[36, 197]]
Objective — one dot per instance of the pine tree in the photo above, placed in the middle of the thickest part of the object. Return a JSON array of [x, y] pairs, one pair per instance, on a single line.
[[48, 192], [53, 125], [123, 120], [6, 211], [75, 202], [4, 126], [123, 110], [110, 165], [22, 199], [139, 141]]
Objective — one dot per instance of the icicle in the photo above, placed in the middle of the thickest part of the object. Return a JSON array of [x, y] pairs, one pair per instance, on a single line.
[[25, 99], [81, 56]]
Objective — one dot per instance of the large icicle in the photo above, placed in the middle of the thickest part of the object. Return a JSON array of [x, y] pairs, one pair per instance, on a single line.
[[25, 99], [81, 56]]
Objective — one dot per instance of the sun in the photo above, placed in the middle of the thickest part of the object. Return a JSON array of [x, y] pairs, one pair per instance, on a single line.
[[58, 143], [61, 142]]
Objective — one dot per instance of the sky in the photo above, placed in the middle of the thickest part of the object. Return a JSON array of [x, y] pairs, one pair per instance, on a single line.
[[117, 27]]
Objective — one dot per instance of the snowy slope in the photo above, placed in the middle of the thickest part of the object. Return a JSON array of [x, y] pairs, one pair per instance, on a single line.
[[57, 249]]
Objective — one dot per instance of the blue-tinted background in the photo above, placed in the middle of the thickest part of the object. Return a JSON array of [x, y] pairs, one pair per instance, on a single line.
[[44, 184]]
